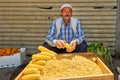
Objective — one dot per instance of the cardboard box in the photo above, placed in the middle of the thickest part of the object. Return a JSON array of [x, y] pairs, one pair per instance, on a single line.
[[107, 74], [13, 60]]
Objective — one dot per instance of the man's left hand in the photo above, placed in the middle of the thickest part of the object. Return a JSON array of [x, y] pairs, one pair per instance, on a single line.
[[73, 44]]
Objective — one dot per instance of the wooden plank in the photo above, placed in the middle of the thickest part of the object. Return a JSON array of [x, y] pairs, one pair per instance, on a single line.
[[58, 1], [22, 38], [44, 30], [20, 42], [57, 13], [98, 22], [22, 26], [82, 18], [40, 4], [99, 26], [112, 45], [25, 22], [35, 9], [39, 34], [100, 31], [23, 30], [104, 68], [42, 35], [29, 47], [100, 35], [47, 26], [48, 22], [100, 40]]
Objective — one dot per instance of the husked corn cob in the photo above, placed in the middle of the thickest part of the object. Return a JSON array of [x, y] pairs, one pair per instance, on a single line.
[[31, 71], [40, 57], [40, 68], [68, 46], [47, 53], [31, 77], [41, 48], [94, 59], [39, 62], [31, 61]]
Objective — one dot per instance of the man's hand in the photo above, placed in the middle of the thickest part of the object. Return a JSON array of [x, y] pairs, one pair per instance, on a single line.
[[73, 44], [60, 44]]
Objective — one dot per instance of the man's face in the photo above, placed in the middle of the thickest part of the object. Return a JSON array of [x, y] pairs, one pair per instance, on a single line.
[[66, 13]]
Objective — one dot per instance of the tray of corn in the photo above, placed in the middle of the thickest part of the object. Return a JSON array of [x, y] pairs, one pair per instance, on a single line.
[[48, 65]]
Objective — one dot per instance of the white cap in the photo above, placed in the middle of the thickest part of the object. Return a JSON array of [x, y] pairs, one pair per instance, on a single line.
[[65, 5]]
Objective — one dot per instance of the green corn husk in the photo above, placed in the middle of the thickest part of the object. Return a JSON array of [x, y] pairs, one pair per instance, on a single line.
[[102, 52]]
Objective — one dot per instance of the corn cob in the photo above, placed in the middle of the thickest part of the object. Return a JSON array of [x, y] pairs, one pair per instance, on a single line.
[[68, 46], [31, 61], [40, 68], [94, 59], [48, 54], [31, 71], [39, 62], [31, 77], [41, 48], [40, 57]]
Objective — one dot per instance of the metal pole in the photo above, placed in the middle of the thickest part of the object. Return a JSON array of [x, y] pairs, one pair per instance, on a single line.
[[119, 21], [117, 29]]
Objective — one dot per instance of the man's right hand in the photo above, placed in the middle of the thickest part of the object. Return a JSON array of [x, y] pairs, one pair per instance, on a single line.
[[60, 44]]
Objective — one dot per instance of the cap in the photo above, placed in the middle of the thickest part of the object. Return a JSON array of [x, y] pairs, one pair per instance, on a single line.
[[65, 5]]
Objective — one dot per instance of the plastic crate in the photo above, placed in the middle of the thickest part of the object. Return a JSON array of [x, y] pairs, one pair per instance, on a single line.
[[13, 60]]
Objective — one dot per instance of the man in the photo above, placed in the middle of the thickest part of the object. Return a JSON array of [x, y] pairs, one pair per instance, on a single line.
[[66, 30]]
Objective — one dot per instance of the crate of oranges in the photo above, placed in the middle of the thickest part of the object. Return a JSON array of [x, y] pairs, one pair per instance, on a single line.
[[12, 57]]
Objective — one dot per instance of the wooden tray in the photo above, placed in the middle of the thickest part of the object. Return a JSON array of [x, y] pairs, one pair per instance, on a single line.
[[107, 74]]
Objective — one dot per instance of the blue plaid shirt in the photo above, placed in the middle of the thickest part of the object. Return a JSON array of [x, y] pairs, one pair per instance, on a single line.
[[66, 33]]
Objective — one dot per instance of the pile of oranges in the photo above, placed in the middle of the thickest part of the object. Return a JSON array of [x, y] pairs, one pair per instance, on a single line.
[[8, 51]]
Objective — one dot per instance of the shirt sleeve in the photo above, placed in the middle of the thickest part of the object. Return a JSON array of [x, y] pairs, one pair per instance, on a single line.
[[79, 32], [51, 36]]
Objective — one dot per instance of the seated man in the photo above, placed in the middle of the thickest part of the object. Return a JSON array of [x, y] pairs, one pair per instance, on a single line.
[[66, 30]]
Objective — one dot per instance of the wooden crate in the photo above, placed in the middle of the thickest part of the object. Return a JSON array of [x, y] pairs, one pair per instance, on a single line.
[[107, 74]]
